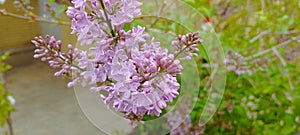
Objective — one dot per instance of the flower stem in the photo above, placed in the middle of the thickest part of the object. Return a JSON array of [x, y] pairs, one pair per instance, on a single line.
[[71, 64], [181, 51], [108, 21], [63, 59]]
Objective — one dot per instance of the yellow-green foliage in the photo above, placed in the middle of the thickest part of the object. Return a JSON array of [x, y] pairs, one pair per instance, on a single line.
[[5, 105]]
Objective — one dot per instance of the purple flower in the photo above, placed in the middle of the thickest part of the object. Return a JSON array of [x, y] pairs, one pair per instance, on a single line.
[[125, 10], [137, 76], [79, 19], [49, 49], [79, 3]]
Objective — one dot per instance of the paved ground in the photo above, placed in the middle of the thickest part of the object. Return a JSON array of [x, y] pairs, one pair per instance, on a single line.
[[44, 105]]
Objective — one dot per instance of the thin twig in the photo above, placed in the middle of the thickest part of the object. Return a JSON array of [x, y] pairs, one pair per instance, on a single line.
[[287, 42], [269, 32], [283, 62], [10, 126], [259, 36], [161, 10], [37, 18], [286, 71], [161, 31], [289, 32]]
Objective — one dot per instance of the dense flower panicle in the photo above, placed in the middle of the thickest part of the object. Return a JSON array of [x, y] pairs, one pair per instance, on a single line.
[[93, 27], [128, 68], [145, 82]]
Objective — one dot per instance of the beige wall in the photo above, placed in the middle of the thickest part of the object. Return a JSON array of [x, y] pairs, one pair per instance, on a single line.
[[68, 38], [16, 32]]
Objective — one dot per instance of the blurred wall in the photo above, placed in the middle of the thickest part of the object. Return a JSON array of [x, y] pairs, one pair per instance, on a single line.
[[68, 38], [16, 32]]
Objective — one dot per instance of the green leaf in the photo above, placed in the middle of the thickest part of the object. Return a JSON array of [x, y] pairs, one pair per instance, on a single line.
[[297, 106], [60, 10], [287, 130], [268, 89]]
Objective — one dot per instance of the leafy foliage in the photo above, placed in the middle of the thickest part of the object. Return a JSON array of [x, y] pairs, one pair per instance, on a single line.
[[5, 105], [266, 101]]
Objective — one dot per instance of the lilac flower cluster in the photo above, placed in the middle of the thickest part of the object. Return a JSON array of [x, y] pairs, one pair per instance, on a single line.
[[49, 49], [130, 69]]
